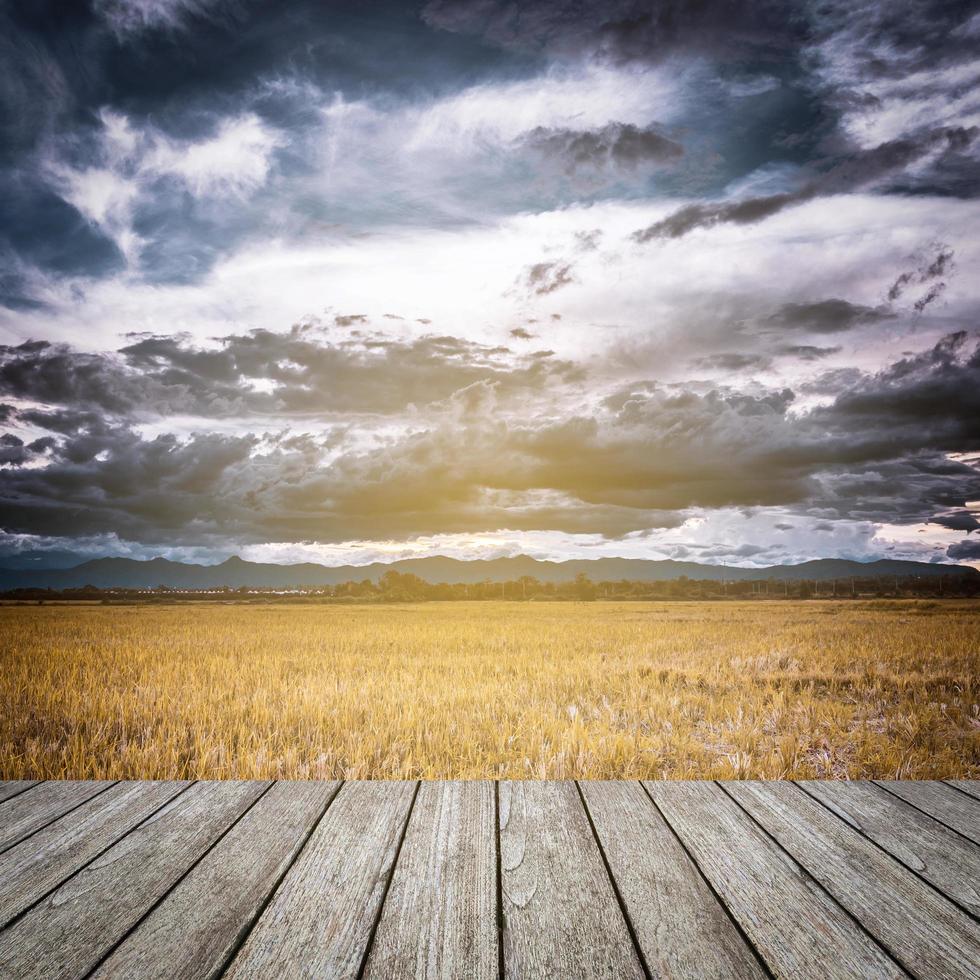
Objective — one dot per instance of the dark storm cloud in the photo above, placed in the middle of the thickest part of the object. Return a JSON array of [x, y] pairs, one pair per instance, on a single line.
[[859, 170], [928, 273], [897, 40], [806, 352], [827, 316], [65, 60], [617, 145], [927, 401], [543, 278], [625, 31], [305, 374], [879, 452], [960, 520], [968, 550], [182, 68], [733, 361]]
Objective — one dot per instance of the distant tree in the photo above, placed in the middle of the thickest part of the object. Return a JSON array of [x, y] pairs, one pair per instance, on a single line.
[[584, 589]]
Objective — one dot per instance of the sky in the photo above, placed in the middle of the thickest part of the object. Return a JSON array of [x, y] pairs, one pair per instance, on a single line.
[[347, 281]]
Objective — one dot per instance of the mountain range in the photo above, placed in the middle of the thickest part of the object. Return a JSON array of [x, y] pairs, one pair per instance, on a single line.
[[106, 573]]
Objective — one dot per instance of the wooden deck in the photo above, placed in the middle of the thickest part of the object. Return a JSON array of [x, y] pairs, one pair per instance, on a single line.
[[486, 880]]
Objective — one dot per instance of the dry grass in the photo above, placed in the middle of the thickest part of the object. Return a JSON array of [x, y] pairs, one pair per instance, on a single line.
[[466, 690]]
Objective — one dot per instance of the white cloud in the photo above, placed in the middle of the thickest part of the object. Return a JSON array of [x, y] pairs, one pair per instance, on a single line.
[[234, 161], [750, 539], [884, 108], [655, 307], [584, 100], [131, 16], [105, 198]]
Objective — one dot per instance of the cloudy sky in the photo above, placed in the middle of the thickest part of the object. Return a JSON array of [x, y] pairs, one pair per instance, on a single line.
[[334, 281]]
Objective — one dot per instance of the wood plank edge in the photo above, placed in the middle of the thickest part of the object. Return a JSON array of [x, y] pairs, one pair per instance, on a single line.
[[499, 890], [975, 841], [153, 906], [95, 857], [760, 959], [973, 792], [387, 887], [246, 930], [71, 809], [31, 784], [884, 850], [804, 870], [620, 901]]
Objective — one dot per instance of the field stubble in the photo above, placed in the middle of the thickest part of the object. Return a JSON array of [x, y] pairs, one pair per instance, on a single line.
[[491, 690]]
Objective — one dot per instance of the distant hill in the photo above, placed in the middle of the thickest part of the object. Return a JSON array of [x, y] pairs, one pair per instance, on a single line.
[[106, 573]]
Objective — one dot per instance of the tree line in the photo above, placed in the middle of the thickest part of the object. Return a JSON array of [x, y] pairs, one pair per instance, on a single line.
[[396, 586]]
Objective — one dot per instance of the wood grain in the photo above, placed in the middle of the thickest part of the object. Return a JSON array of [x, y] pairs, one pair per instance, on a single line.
[[319, 922], [196, 928], [799, 930], [560, 912], [33, 867], [929, 935], [970, 786], [946, 804], [66, 934], [440, 916], [941, 856], [12, 787], [47, 801], [682, 928]]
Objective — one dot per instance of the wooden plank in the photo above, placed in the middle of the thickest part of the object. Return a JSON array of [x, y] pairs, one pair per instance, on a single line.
[[929, 848], [440, 916], [561, 917], [66, 934], [970, 786], [319, 922], [26, 813], [34, 866], [680, 925], [928, 934], [13, 787], [798, 929], [197, 927], [947, 805]]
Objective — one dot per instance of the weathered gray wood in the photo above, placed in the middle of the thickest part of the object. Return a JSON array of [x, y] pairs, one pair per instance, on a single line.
[[928, 934], [34, 866], [799, 930], [198, 925], [929, 848], [319, 922], [440, 916], [12, 787], [561, 916], [67, 933], [971, 786], [24, 814], [947, 805], [680, 925]]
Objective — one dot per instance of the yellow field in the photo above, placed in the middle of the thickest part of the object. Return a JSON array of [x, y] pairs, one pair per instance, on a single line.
[[772, 689]]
